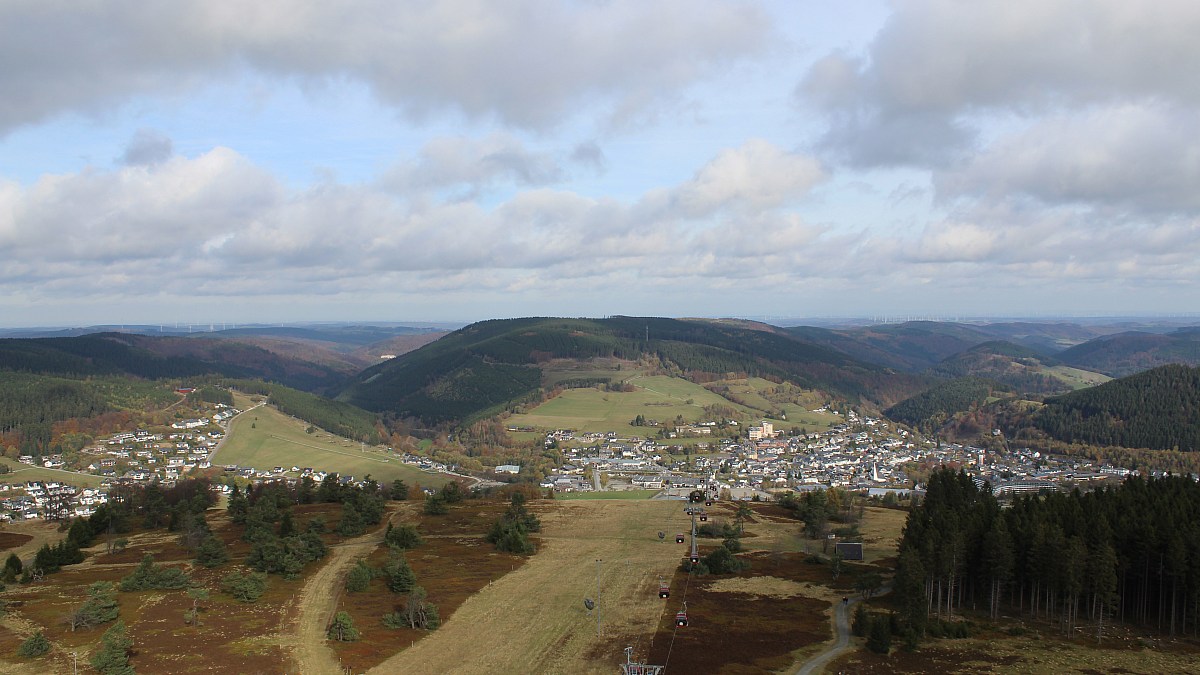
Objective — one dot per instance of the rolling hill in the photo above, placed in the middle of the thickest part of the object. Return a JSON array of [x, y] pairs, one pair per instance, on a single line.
[[939, 404], [162, 357], [486, 365], [1024, 369], [1133, 351]]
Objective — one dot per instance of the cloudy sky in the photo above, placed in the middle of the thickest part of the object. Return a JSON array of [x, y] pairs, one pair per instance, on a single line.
[[292, 160]]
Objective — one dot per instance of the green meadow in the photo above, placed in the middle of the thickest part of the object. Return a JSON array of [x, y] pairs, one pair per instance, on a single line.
[[19, 473], [655, 398], [766, 396], [663, 399], [265, 438], [1077, 378]]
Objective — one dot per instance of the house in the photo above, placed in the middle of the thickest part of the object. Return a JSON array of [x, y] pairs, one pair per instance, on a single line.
[[508, 468], [849, 551]]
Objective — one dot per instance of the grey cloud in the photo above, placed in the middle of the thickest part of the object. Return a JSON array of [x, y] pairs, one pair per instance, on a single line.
[[1143, 158], [589, 154], [147, 147], [938, 67], [472, 165], [527, 63]]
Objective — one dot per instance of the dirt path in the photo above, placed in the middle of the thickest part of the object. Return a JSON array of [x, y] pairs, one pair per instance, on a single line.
[[317, 603], [841, 629], [533, 620]]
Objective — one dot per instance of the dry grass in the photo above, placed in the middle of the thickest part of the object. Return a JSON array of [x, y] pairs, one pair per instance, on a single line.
[[999, 653], [533, 619]]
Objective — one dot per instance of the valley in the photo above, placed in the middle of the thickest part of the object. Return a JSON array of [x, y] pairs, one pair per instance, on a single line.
[[807, 439]]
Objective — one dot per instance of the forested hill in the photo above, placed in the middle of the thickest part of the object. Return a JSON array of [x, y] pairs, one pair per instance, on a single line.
[[1157, 409], [1133, 351], [158, 358], [487, 364], [932, 408]]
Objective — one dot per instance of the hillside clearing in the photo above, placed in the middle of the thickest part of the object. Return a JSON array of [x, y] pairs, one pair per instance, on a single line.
[[265, 438]]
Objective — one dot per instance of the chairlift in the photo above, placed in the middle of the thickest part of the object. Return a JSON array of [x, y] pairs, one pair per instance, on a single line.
[[703, 515], [708, 502], [679, 538], [664, 589], [695, 559], [681, 616]]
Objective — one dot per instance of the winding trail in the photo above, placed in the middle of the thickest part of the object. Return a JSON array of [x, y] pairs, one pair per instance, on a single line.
[[317, 603], [841, 626]]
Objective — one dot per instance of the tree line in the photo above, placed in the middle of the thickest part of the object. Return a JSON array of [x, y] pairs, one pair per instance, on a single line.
[[1157, 409], [1130, 553]]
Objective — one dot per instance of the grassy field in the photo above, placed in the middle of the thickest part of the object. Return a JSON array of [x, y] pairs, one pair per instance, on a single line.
[[554, 373], [797, 404], [23, 472], [660, 398], [618, 494], [1076, 378], [264, 438]]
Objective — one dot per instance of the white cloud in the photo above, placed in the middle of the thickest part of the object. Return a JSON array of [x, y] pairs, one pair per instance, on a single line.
[[755, 176], [217, 224]]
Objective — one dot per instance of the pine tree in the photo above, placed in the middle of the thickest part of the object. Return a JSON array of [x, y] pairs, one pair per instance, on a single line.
[[34, 646], [113, 656], [879, 640], [343, 628]]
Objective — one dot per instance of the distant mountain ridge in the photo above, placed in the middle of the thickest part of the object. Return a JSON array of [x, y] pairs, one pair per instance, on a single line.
[[159, 358]]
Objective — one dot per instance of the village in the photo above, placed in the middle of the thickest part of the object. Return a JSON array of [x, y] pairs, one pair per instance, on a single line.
[[865, 454]]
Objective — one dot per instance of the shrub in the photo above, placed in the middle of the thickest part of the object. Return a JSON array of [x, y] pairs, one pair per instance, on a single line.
[[359, 577], [211, 552], [35, 646], [402, 537], [861, 624], [417, 612], [352, 523], [879, 640], [149, 576], [100, 607], [722, 561], [435, 505], [244, 587]]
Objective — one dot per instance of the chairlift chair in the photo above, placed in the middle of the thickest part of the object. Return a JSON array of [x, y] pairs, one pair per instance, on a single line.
[[679, 538], [664, 590], [681, 618]]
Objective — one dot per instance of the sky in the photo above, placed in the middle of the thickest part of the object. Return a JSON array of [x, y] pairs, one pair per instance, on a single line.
[[454, 160]]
